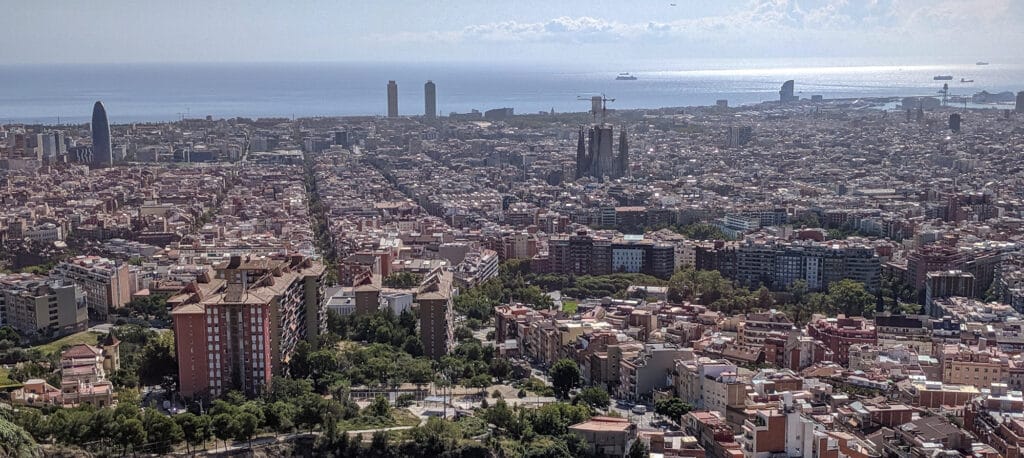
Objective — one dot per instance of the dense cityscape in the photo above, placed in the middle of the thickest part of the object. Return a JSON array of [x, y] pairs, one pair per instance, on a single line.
[[801, 277]]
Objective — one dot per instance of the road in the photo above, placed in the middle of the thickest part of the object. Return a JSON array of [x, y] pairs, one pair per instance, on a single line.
[[626, 411]]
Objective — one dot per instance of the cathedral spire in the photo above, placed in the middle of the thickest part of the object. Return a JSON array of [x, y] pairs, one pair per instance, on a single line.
[[623, 165]]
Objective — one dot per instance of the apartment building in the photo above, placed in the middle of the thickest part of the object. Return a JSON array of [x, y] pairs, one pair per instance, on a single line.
[[105, 282], [39, 305], [839, 333], [980, 366], [782, 431], [651, 369], [585, 254], [776, 264], [437, 320], [239, 330]]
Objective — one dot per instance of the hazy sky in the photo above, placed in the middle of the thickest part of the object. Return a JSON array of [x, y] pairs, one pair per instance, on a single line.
[[57, 31]]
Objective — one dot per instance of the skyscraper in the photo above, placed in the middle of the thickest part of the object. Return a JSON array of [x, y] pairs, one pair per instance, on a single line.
[[392, 99], [102, 153], [786, 94], [1020, 102], [430, 99], [954, 122]]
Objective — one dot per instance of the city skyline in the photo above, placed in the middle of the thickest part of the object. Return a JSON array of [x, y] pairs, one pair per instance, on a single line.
[[520, 32], [731, 229]]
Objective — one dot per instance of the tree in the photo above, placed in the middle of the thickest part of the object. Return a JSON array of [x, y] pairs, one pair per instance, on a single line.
[[246, 425], [15, 441], [798, 289], [379, 408], [288, 389], [849, 297], [379, 444], [463, 333], [161, 431], [9, 334], [223, 427], [195, 428], [402, 280], [434, 438], [321, 363], [703, 231], [129, 434], [413, 346], [499, 414], [500, 368], [33, 422], [280, 416], [311, 410], [673, 408], [764, 298], [478, 381], [157, 359], [594, 397], [637, 450], [565, 375]]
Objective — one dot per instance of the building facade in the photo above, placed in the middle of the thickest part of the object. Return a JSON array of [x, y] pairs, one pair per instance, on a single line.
[[244, 329], [38, 305], [105, 282], [102, 151], [392, 99]]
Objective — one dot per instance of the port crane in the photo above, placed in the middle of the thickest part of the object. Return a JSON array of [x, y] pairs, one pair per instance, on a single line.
[[597, 102]]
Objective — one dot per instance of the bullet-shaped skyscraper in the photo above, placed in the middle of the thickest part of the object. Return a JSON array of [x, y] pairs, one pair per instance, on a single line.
[[102, 153], [392, 99], [429, 99]]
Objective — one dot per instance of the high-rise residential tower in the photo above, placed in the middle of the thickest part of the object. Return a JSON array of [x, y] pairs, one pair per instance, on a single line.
[[392, 99], [430, 99], [240, 329], [102, 153]]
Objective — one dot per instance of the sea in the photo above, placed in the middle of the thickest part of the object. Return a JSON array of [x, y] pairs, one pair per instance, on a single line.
[[65, 93]]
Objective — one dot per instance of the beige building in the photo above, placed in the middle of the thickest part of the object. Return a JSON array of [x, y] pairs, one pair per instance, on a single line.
[[32, 304], [606, 436], [84, 370], [980, 367], [105, 282]]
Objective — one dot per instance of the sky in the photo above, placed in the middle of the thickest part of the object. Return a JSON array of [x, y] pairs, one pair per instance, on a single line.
[[550, 31]]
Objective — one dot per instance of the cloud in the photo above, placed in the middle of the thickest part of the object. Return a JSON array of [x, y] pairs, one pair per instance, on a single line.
[[773, 26]]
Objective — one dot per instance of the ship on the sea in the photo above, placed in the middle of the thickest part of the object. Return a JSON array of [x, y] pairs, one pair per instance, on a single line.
[[980, 63], [625, 77], [943, 77], [964, 80]]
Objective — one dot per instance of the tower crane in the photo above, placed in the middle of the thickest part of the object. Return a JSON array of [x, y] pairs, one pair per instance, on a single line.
[[597, 102]]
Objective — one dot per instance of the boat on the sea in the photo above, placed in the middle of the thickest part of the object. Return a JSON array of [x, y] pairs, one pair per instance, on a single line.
[[980, 63], [942, 77], [962, 80], [625, 77]]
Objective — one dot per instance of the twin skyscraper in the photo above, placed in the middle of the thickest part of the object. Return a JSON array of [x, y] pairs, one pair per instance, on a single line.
[[429, 99]]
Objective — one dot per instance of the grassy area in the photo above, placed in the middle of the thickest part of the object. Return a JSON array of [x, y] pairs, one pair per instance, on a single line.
[[84, 337], [5, 378], [569, 306], [399, 417]]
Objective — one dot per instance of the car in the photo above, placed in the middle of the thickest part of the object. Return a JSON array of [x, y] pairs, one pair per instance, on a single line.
[[639, 409]]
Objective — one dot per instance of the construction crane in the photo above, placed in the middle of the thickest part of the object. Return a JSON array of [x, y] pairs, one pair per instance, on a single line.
[[597, 103]]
